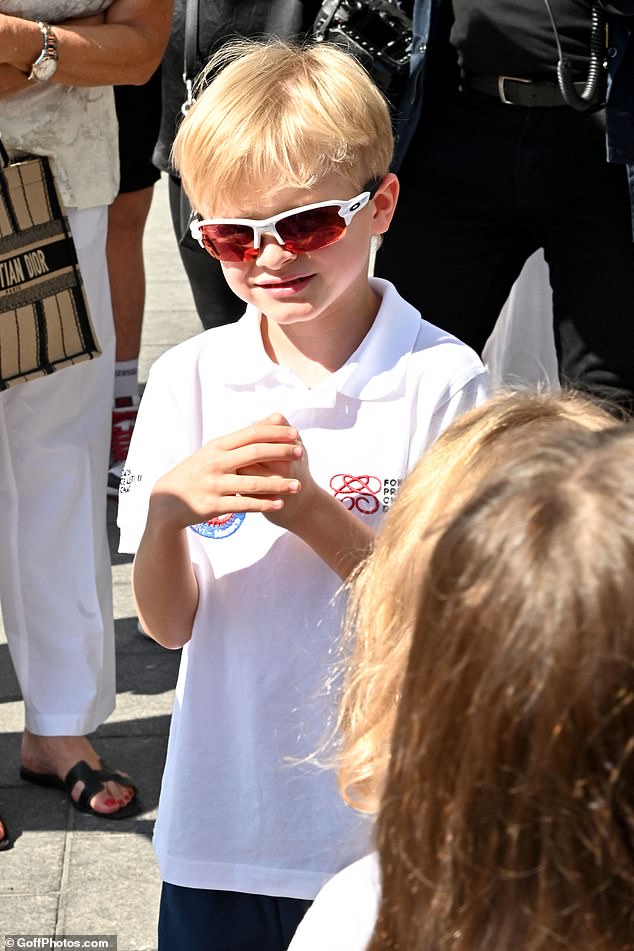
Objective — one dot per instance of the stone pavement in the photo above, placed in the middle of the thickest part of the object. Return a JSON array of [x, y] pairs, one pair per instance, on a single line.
[[68, 873]]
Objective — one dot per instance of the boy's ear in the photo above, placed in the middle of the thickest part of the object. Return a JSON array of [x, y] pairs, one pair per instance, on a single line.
[[384, 203]]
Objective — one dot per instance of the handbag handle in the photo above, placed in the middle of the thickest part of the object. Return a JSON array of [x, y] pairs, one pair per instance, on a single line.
[[191, 52], [4, 156]]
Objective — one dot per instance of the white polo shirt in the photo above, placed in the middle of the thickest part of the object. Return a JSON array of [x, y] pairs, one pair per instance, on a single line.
[[240, 808], [344, 913]]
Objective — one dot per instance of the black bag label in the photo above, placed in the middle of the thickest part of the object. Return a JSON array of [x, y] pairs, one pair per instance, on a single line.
[[23, 273]]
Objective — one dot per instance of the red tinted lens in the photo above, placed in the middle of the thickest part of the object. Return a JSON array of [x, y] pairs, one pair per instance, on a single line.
[[311, 230], [229, 243]]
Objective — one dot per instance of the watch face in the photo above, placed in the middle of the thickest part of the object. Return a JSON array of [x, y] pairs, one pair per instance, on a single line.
[[45, 69]]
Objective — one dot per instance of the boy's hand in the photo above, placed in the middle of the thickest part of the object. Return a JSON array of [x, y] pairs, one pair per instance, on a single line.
[[296, 503], [335, 535], [251, 470]]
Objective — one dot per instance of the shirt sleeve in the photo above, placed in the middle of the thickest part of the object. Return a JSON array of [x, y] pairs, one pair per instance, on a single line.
[[474, 392], [470, 388]]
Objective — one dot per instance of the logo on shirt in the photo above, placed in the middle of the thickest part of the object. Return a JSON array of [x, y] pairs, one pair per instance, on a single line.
[[127, 480], [360, 492], [365, 494], [220, 527]]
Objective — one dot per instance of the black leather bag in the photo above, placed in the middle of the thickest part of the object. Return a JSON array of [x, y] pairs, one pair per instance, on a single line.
[[377, 32]]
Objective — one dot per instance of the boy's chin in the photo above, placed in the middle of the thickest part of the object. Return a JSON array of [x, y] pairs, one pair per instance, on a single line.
[[287, 316]]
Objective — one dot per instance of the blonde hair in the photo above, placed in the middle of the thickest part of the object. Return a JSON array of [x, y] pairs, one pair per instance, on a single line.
[[508, 813], [279, 113], [381, 613]]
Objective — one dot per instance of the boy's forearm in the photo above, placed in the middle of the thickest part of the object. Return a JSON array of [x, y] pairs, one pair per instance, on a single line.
[[337, 536], [164, 585]]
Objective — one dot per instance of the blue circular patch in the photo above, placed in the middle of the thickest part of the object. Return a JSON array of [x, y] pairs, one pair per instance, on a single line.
[[220, 527]]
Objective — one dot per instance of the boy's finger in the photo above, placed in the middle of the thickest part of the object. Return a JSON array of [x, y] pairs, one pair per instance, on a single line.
[[262, 432], [244, 457], [249, 487], [276, 419], [230, 504], [270, 486]]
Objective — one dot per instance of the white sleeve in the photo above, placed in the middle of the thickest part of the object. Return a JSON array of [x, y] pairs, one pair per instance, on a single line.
[[155, 448], [343, 915], [466, 393], [475, 392]]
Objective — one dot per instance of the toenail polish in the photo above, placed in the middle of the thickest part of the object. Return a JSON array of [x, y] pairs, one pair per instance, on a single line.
[[111, 802]]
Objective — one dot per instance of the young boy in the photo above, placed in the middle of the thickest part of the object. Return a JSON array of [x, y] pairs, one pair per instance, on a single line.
[[264, 455]]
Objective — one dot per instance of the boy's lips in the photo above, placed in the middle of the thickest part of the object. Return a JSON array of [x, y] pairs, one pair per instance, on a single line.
[[287, 285]]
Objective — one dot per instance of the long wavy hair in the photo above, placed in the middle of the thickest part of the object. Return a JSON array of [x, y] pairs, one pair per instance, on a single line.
[[508, 814], [382, 600]]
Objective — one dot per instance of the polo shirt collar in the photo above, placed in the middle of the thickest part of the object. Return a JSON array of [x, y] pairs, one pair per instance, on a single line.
[[374, 370], [378, 365]]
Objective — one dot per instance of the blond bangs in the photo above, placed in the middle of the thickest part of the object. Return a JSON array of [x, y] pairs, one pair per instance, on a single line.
[[279, 113]]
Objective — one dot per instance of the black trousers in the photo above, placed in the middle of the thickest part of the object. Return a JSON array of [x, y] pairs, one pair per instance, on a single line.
[[215, 302], [483, 186], [195, 919]]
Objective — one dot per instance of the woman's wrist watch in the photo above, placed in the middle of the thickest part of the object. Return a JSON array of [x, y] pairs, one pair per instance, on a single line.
[[46, 63]]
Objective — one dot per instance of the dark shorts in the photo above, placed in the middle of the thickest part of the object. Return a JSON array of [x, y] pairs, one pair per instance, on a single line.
[[139, 117], [197, 919]]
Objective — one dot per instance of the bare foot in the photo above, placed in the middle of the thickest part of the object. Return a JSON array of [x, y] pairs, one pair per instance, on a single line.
[[58, 754]]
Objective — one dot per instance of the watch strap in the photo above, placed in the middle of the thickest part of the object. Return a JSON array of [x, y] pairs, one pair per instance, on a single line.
[[49, 48]]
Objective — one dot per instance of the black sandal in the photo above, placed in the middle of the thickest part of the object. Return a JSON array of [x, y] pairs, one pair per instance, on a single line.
[[93, 780], [6, 841]]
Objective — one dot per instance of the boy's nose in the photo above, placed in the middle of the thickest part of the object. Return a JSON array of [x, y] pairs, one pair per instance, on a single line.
[[271, 254]]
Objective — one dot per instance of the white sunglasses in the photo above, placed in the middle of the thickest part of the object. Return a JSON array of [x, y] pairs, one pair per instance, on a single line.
[[307, 228]]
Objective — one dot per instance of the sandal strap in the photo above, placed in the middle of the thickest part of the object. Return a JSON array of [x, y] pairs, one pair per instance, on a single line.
[[82, 772], [107, 773], [93, 780]]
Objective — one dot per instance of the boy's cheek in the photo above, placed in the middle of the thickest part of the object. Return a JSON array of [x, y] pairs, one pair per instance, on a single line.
[[233, 270], [234, 275]]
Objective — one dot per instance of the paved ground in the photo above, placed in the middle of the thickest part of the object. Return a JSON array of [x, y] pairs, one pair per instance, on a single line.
[[70, 874]]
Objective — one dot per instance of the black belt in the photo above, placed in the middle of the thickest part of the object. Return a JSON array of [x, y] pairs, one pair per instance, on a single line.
[[519, 92]]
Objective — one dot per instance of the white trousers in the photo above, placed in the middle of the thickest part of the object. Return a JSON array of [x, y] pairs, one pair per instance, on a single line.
[[55, 576]]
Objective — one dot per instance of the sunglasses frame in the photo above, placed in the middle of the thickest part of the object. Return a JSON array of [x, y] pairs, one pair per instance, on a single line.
[[347, 210]]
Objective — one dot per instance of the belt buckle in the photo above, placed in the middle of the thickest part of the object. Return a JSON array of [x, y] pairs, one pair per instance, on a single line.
[[502, 93]]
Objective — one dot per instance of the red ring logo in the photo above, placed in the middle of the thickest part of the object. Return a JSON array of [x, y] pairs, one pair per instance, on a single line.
[[357, 492]]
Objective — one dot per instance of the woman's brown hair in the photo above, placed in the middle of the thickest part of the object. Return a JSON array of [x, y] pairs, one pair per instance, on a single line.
[[382, 602], [508, 815]]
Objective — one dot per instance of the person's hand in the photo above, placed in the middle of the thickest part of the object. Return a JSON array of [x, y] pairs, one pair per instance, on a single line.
[[11, 80], [290, 513], [122, 45], [250, 470], [335, 535]]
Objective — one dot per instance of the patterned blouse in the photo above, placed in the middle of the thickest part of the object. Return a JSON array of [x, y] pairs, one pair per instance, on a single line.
[[75, 126]]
